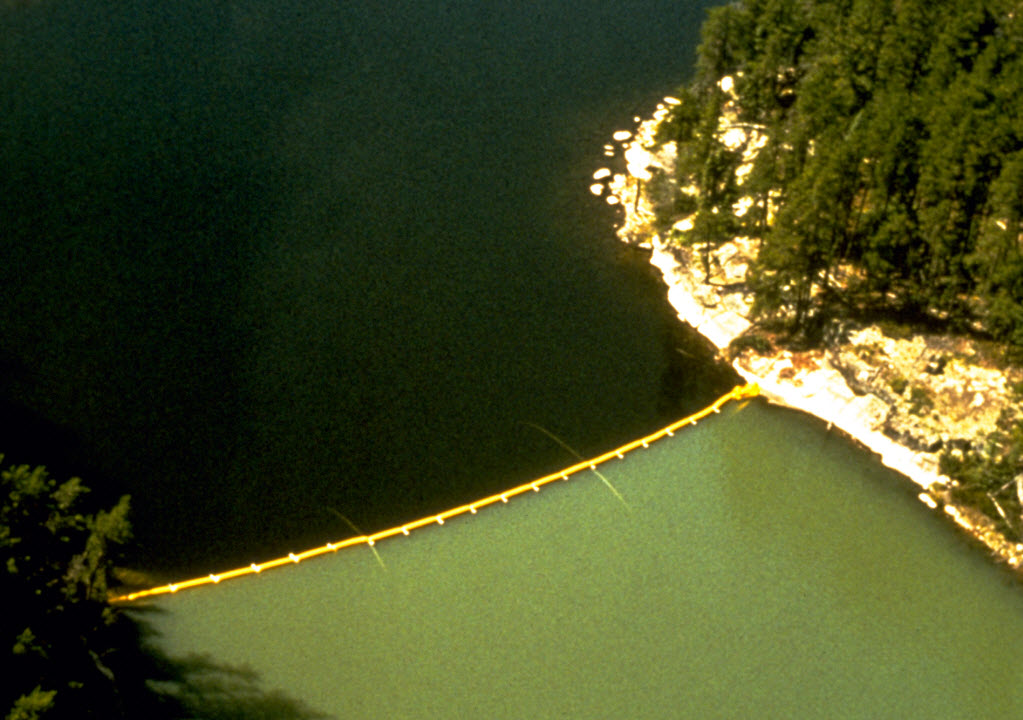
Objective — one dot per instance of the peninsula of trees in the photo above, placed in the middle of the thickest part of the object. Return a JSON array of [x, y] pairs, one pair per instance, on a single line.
[[873, 151], [891, 179]]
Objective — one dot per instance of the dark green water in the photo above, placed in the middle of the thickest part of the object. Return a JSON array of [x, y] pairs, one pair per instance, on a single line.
[[262, 259]]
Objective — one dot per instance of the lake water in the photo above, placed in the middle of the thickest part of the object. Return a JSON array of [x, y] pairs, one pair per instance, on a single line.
[[266, 264], [740, 579]]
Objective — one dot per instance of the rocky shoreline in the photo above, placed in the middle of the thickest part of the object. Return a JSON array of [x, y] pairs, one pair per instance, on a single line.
[[903, 396]]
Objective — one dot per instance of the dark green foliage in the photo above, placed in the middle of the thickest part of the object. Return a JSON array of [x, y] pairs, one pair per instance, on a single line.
[[71, 654], [750, 341], [56, 622], [898, 384], [683, 118], [990, 477], [895, 148], [667, 204], [920, 400]]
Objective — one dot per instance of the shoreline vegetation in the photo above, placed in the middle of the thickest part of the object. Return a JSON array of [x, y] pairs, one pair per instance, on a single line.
[[821, 305], [71, 652]]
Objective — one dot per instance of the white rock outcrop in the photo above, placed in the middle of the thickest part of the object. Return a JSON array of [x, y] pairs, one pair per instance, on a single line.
[[860, 386]]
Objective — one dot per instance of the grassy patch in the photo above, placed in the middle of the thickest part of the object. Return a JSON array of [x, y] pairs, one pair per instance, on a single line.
[[751, 341], [898, 384], [921, 400], [896, 330]]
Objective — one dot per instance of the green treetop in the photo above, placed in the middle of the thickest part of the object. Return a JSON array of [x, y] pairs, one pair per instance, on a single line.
[[893, 155]]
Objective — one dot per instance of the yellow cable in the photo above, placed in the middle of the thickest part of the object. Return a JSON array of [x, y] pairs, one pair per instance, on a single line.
[[737, 393]]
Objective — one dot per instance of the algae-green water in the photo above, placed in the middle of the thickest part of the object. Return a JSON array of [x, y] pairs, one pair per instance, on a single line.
[[763, 568]]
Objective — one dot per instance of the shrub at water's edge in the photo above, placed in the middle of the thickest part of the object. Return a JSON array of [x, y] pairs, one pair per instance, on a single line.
[[57, 624], [71, 653]]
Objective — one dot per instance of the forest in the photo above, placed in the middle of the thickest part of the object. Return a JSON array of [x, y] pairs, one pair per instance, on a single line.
[[891, 181], [887, 183]]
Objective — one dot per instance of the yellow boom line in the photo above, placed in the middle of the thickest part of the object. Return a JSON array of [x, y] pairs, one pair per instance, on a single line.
[[737, 393]]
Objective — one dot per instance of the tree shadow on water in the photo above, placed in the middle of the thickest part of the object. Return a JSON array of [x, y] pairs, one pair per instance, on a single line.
[[196, 686]]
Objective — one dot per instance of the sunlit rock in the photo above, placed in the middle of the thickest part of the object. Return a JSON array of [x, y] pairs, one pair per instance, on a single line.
[[742, 206], [601, 174], [639, 161], [685, 224], [733, 138], [597, 188]]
